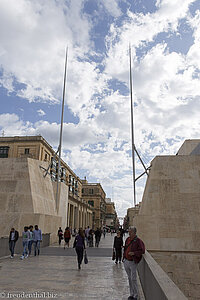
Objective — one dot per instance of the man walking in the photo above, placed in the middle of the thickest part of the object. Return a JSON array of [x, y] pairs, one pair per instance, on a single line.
[[37, 237], [133, 250], [87, 230], [13, 237]]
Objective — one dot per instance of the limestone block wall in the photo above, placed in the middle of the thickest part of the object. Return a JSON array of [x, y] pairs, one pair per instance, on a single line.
[[169, 222], [183, 268], [169, 215], [26, 197]]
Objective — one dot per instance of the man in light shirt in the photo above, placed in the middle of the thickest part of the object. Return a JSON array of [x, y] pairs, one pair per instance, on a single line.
[[37, 238]]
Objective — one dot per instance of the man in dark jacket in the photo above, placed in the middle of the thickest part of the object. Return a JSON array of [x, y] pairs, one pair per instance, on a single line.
[[13, 237], [97, 234], [133, 250]]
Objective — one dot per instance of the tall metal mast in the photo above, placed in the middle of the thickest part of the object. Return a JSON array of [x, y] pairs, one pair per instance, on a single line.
[[132, 129], [61, 129]]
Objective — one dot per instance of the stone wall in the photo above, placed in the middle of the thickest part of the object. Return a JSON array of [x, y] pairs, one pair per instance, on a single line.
[[183, 268], [26, 197], [169, 220]]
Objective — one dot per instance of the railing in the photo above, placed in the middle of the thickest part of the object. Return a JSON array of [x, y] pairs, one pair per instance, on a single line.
[[156, 284]]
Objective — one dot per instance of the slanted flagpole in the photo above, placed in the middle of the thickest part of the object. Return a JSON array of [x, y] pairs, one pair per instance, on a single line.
[[61, 129], [132, 129]]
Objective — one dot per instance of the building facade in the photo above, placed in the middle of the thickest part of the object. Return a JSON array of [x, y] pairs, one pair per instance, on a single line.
[[132, 212], [111, 215], [94, 195]]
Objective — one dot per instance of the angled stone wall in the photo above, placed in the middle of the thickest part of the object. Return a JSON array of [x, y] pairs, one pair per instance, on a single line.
[[26, 197], [168, 220], [169, 215]]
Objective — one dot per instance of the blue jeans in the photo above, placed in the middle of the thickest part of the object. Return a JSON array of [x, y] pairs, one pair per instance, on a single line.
[[25, 247], [30, 246], [12, 247], [37, 247]]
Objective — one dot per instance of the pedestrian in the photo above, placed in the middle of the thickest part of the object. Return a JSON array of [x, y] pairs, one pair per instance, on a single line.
[[97, 234], [37, 237], [60, 235], [87, 230], [90, 238], [117, 246], [67, 237], [13, 237], [104, 232], [30, 241], [25, 239], [79, 245], [133, 250]]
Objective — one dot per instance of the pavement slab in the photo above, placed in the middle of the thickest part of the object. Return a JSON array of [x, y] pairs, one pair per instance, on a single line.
[[55, 275]]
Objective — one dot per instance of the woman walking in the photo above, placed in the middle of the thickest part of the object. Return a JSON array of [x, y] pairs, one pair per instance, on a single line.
[[79, 245], [118, 244]]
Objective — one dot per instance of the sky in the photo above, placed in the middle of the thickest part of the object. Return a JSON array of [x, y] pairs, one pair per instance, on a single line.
[[164, 36]]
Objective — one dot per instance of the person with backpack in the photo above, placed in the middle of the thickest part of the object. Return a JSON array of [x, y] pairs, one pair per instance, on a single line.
[[67, 237], [133, 250], [60, 235]]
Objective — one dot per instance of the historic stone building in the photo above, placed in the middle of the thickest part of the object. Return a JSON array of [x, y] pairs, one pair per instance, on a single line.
[[94, 195], [27, 196], [111, 215], [131, 213]]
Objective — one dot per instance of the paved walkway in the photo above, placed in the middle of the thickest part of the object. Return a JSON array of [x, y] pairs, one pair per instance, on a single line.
[[54, 275]]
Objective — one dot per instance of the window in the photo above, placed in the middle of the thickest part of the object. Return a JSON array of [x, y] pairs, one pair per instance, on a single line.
[[4, 152], [91, 191], [82, 191], [91, 202], [45, 157], [26, 151]]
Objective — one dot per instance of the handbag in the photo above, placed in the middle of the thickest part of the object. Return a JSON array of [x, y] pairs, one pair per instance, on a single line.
[[85, 257], [113, 255]]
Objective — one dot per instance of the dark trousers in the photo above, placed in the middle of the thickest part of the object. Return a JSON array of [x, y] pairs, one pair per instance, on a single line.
[[79, 252], [97, 240], [60, 239], [118, 254], [12, 247]]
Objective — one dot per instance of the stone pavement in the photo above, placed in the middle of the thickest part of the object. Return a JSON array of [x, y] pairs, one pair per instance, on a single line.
[[54, 275]]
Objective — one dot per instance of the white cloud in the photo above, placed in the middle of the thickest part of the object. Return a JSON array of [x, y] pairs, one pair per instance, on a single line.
[[41, 113], [33, 45], [112, 7]]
